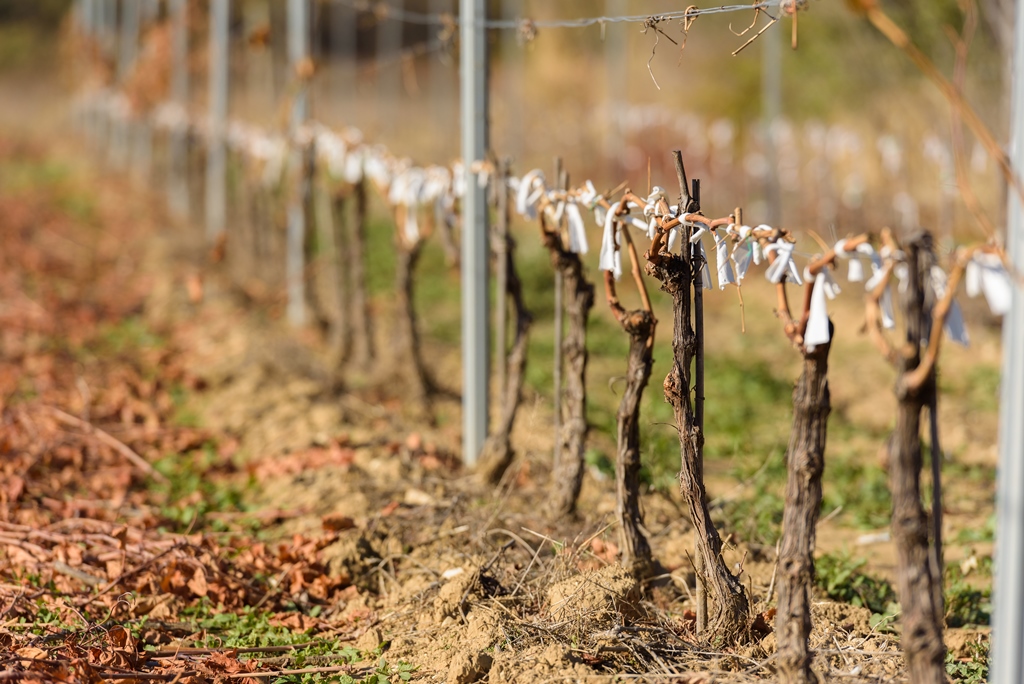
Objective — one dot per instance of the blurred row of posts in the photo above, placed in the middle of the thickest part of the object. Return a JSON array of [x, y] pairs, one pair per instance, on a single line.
[[115, 27]]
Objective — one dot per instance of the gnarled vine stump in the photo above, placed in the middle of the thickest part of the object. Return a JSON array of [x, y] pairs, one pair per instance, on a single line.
[[497, 453], [805, 464], [567, 475], [919, 581], [679, 276], [634, 547]]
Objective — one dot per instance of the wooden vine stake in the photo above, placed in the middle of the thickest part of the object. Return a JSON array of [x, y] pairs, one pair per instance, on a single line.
[[408, 251], [556, 374], [340, 212], [361, 319], [919, 579], [333, 242], [497, 453], [679, 275], [639, 325], [571, 406]]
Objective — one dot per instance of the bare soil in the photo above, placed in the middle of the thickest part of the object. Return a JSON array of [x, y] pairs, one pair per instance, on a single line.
[[355, 525]]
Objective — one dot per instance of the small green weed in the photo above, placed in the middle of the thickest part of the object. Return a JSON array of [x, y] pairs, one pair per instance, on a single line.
[[985, 533], [840, 577], [600, 460], [248, 629], [972, 669], [126, 335], [190, 494], [757, 516], [863, 494], [384, 673], [757, 519], [966, 604]]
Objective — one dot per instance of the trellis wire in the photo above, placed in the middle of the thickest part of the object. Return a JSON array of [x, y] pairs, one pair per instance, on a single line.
[[515, 24]]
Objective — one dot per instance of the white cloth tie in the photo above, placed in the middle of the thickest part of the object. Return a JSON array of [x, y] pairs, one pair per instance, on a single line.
[[610, 259], [783, 266], [577, 229], [985, 273], [725, 272], [817, 332], [955, 328]]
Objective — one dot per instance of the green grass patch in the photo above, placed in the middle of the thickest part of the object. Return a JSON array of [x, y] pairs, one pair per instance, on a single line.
[[249, 628], [971, 668], [190, 494], [861, 489], [985, 533], [254, 628], [842, 578], [127, 335], [966, 604], [27, 174]]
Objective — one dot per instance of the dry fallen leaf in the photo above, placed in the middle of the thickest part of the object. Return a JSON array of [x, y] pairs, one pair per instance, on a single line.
[[32, 653], [337, 523], [198, 584]]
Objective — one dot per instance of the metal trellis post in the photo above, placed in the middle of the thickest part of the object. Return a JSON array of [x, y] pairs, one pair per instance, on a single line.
[[1008, 593], [178, 196], [473, 76], [127, 49], [298, 52], [216, 157]]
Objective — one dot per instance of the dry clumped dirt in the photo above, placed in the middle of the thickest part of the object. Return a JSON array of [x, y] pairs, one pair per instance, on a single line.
[[358, 525]]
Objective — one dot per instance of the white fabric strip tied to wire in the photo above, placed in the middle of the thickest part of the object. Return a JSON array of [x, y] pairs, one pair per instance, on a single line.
[[856, 271], [610, 258], [531, 189], [985, 273], [170, 116], [459, 180], [353, 169], [695, 239], [483, 173], [377, 166], [332, 152], [726, 276], [743, 253], [590, 198], [825, 288], [406, 188], [270, 154], [955, 328], [651, 202], [437, 184], [577, 229], [784, 266]]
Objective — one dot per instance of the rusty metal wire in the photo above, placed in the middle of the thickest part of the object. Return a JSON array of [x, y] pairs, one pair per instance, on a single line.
[[383, 9]]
